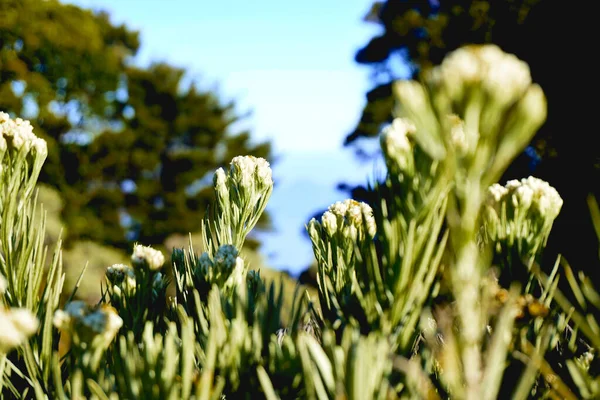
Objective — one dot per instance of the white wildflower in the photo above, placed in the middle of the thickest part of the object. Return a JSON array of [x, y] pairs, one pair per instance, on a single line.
[[263, 171], [147, 256], [523, 197], [506, 79], [17, 325], [18, 132], [339, 208], [396, 145], [40, 146], [349, 216], [496, 193], [502, 76], [242, 170], [545, 198], [329, 222], [354, 213], [220, 182], [513, 184], [62, 320]]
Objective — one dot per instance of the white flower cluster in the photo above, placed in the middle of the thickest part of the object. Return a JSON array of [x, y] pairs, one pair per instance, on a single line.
[[522, 210], [502, 76], [248, 171], [122, 277], [396, 144], [242, 193], [347, 219], [528, 194], [16, 325], [491, 91], [88, 323], [146, 256], [18, 134]]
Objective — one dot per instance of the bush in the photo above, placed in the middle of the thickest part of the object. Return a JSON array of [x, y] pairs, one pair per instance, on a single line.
[[433, 291]]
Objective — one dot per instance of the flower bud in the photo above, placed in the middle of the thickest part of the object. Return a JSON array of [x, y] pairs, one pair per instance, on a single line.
[[329, 222], [396, 145], [226, 258]]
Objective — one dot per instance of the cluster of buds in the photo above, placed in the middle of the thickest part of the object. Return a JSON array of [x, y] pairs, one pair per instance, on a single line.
[[242, 194], [16, 326], [226, 269], [138, 292], [491, 96], [18, 143], [343, 226], [345, 220], [521, 213], [502, 77], [88, 326], [147, 257], [18, 135]]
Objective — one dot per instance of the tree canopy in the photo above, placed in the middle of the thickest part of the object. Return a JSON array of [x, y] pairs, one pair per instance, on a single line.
[[131, 148], [553, 38]]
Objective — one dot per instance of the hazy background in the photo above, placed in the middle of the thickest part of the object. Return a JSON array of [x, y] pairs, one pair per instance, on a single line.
[[291, 64]]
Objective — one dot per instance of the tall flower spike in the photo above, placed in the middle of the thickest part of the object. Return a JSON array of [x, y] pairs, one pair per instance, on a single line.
[[18, 140], [242, 193]]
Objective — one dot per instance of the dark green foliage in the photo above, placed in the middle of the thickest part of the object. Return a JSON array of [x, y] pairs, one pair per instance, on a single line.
[[128, 146]]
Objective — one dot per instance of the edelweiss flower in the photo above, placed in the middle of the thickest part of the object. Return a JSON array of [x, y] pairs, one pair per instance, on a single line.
[[396, 145], [16, 325], [347, 218], [147, 256], [19, 134]]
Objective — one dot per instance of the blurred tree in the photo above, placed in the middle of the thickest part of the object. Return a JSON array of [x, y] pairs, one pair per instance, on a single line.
[[131, 150], [554, 39]]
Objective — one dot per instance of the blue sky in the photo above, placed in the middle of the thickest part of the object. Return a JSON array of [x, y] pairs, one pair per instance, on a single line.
[[290, 64]]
